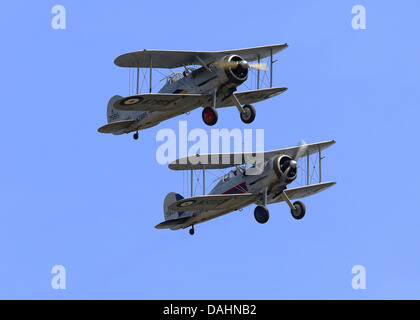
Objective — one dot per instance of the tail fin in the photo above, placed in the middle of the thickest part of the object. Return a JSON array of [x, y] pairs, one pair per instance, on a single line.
[[112, 113], [169, 199]]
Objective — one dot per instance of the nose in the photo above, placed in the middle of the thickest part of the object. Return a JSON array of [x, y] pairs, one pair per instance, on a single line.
[[243, 65]]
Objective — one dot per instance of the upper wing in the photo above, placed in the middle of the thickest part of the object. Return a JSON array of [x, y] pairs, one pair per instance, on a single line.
[[173, 59], [226, 160], [214, 202], [161, 102], [116, 126], [302, 192], [251, 96]]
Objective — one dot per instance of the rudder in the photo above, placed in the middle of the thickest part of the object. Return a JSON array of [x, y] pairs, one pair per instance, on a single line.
[[112, 113], [169, 199]]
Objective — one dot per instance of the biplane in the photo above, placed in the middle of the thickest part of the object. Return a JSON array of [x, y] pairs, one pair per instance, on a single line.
[[238, 188], [209, 80]]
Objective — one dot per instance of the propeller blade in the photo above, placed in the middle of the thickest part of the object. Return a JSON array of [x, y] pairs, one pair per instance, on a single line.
[[301, 151], [286, 172], [227, 64], [234, 64], [259, 66]]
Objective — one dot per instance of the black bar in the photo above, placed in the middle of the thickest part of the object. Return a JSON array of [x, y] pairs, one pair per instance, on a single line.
[[209, 309]]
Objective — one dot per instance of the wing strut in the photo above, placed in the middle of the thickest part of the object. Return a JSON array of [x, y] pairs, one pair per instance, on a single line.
[[150, 77], [258, 74], [204, 181], [307, 168], [138, 78], [192, 182], [271, 68], [150, 87], [320, 158], [308, 178]]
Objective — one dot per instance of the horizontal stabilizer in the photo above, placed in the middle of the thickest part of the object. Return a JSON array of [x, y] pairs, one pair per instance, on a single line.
[[116, 126], [172, 224]]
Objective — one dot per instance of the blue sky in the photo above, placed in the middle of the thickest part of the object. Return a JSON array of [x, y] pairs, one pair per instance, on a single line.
[[88, 201]]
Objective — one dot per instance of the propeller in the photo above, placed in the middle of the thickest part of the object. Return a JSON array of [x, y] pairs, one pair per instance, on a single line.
[[300, 151], [259, 66], [235, 64]]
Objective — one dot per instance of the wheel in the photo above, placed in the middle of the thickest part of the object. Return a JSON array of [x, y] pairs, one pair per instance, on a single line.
[[136, 136], [299, 211], [209, 116], [249, 113], [191, 231], [261, 214]]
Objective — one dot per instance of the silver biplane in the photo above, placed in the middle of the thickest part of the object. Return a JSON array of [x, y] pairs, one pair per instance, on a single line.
[[238, 189], [211, 85]]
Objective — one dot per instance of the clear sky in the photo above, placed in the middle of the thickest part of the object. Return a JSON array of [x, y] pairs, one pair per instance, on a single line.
[[74, 197]]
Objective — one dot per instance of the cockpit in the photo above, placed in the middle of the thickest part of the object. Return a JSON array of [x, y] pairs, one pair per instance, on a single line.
[[178, 75], [237, 172], [174, 77], [240, 170]]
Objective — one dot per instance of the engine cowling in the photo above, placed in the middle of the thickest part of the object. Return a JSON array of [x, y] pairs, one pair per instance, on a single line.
[[285, 168], [238, 73]]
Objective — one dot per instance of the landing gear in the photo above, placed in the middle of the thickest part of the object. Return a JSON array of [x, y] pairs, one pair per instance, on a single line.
[[136, 135], [299, 211], [209, 116], [191, 230], [248, 115], [261, 214]]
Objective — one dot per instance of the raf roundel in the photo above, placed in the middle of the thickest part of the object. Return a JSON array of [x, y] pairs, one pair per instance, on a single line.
[[186, 203], [130, 101]]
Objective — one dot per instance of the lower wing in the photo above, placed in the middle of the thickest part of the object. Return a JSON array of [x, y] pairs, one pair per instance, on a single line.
[[249, 97], [161, 102], [302, 192], [214, 202]]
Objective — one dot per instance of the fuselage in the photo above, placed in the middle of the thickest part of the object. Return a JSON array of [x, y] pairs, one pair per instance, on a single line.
[[238, 181], [209, 79]]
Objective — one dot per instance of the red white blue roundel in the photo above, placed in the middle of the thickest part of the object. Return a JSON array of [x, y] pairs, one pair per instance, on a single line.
[[130, 101], [186, 203]]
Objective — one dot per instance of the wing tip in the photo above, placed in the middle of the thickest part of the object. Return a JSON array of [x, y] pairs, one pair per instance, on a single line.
[[102, 129], [117, 61]]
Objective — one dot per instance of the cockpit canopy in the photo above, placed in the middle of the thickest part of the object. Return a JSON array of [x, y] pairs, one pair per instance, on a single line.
[[174, 77], [239, 170]]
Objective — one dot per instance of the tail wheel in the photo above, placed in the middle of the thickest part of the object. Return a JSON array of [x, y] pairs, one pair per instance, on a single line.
[[299, 211], [209, 116], [136, 136], [191, 231], [249, 113], [261, 214]]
